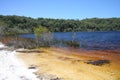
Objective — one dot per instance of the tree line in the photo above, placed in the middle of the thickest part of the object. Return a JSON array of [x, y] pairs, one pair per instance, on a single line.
[[21, 24]]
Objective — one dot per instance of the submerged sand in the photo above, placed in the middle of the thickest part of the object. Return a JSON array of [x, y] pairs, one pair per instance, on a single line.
[[70, 64]]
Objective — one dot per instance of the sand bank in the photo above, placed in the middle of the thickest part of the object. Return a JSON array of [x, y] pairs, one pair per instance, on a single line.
[[12, 68], [70, 64]]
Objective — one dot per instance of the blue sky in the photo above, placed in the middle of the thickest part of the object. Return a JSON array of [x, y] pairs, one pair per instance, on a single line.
[[66, 9]]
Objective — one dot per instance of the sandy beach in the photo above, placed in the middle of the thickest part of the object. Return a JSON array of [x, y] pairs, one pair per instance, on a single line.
[[11, 67], [57, 64], [70, 64]]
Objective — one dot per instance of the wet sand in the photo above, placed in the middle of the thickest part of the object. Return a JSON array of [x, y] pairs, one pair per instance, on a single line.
[[70, 64]]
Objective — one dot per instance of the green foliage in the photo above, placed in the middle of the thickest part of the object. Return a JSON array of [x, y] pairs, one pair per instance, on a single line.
[[17, 24], [20, 24], [43, 36], [38, 31], [2, 28]]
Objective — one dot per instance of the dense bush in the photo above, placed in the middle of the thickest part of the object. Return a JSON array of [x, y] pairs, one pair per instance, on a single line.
[[74, 44], [20, 24]]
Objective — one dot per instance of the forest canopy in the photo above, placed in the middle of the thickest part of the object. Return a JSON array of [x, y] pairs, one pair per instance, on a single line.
[[21, 24]]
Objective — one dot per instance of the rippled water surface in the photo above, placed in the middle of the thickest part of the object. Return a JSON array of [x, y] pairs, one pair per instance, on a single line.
[[89, 40]]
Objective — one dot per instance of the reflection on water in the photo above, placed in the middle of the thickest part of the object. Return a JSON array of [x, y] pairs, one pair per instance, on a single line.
[[88, 40]]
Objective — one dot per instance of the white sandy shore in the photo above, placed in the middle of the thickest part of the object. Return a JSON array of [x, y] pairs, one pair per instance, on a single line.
[[11, 68]]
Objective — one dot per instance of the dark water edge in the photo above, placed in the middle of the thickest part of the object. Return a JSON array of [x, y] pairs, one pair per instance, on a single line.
[[102, 40]]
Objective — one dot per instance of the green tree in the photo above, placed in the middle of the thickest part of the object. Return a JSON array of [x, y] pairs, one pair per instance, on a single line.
[[43, 36], [21, 24], [38, 31], [3, 27]]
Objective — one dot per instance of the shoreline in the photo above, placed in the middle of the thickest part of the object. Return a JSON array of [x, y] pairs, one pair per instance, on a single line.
[[63, 64], [70, 64], [12, 67]]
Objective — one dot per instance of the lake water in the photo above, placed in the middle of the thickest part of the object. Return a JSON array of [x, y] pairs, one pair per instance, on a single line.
[[89, 40]]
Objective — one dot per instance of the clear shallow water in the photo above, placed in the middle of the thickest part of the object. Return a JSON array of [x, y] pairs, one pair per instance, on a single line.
[[88, 40]]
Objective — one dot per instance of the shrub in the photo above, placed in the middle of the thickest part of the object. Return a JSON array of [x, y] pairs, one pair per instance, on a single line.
[[16, 42], [74, 44], [43, 36]]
